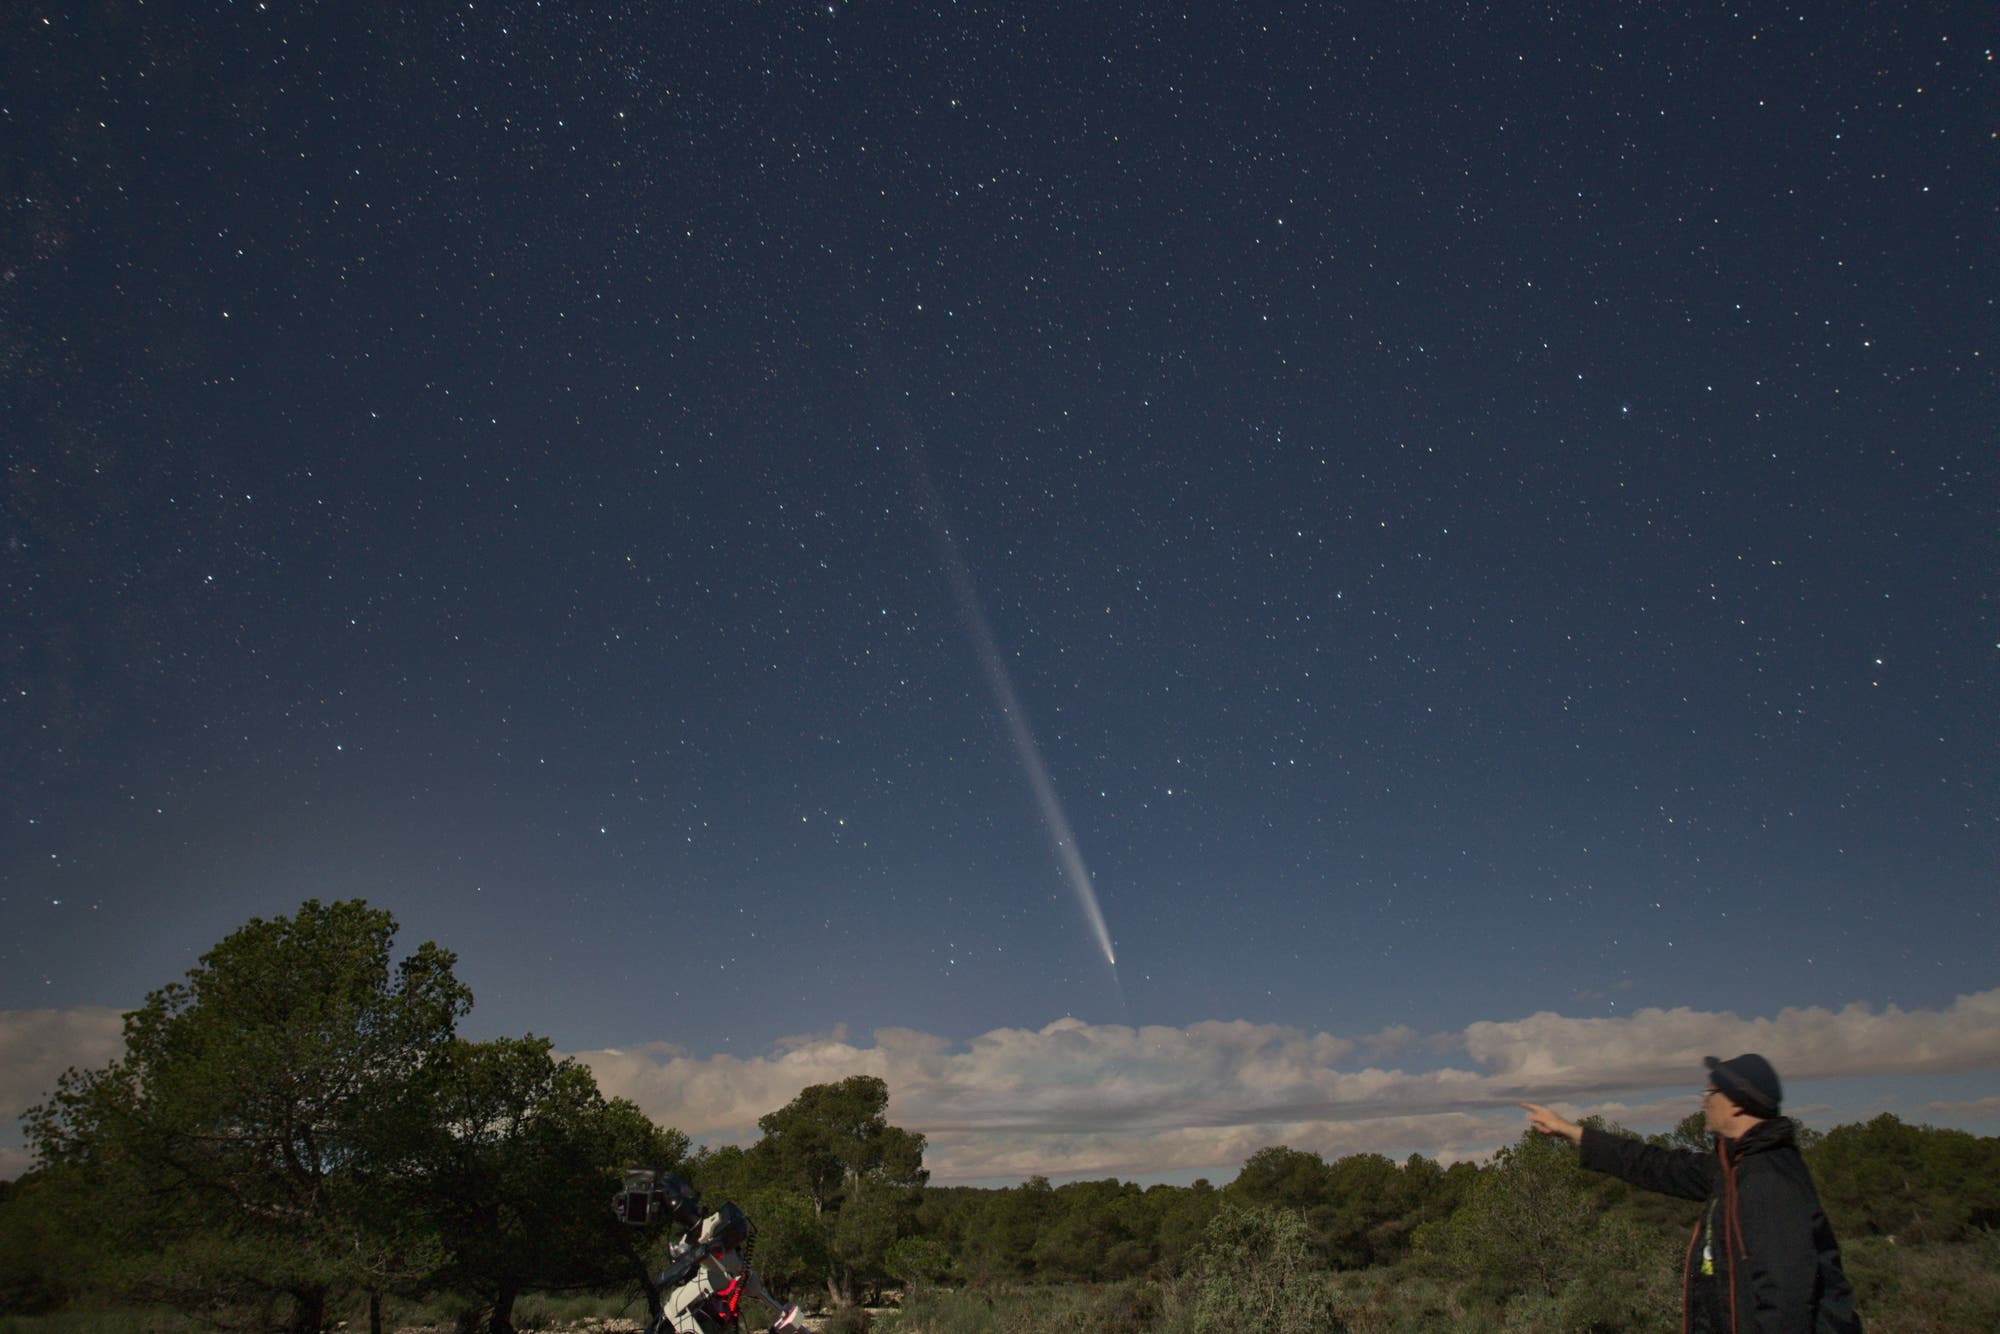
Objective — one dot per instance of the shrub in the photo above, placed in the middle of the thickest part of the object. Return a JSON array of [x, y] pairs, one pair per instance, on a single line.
[[847, 1320], [1254, 1270], [947, 1311]]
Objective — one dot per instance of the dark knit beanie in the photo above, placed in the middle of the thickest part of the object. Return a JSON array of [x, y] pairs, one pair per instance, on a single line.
[[1749, 1082]]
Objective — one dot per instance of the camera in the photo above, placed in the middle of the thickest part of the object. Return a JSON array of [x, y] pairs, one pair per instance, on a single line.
[[649, 1196]]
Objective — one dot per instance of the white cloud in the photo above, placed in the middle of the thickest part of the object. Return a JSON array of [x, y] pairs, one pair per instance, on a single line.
[[1076, 1098], [1973, 1109], [1107, 1100], [36, 1046]]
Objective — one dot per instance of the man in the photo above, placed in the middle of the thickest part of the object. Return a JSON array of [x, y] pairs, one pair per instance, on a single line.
[[1763, 1257]]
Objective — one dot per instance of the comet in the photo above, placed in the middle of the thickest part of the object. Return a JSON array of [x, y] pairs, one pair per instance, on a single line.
[[1008, 700]]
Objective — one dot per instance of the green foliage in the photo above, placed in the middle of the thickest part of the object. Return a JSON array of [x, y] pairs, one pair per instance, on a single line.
[[831, 1187], [847, 1320], [1690, 1132], [1180, 1220], [833, 1145], [791, 1244], [725, 1172], [1941, 1289], [918, 1262], [1256, 1269], [1094, 1230], [86, 1316], [255, 1131], [1362, 1209], [1534, 1247], [833, 1141], [862, 1230], [295, 1126], [1524, 1224], [520, 1160], [1913, 1183], [43, 1259], [1000, 1237], [1120, 1308], [1280, 1178], [1362, 1222], [948, 1311]]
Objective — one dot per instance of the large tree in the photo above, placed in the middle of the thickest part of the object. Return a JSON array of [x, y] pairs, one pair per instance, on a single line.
[[523, 1161], [834, 1145], [834, 1141], [242, 1145]]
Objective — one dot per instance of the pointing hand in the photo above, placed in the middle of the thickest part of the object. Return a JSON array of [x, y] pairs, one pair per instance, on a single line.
[[1545, 1122]]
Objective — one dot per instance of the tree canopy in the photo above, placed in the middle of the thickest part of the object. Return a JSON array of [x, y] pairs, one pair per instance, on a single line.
[[257, 1106], [297, 1119]]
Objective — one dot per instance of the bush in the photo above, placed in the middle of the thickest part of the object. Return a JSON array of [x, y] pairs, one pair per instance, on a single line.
[[847, 1320], [1113, 1308], [946, 1311], [1925, 1290], [917, 1262], [1254, 1270]]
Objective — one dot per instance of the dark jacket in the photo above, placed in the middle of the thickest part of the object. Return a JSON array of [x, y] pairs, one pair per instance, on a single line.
[[1763, 1257]]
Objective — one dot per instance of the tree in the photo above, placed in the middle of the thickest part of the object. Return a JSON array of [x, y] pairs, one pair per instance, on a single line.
[[833, 1141], [43, 1263], [1430, 1191], [726, 1172], [1183, 1215], [1280, 1178], [1690, 1132], [1361, 1222], [1914, 1183], [1000, 1239], [259, 1113], [791, 1249], [1098, 1230], [834, 1145], [525, 1156]]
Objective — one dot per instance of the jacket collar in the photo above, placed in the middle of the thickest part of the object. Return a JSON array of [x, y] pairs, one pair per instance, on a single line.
[[1776, 1133]]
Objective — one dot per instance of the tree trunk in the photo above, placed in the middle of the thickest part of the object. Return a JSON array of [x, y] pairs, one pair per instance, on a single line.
[[656, 1306], [308, 1311], [374, 1311], [502, 1320]]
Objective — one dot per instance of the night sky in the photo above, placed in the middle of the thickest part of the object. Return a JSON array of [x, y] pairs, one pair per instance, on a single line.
[[1449, 526]]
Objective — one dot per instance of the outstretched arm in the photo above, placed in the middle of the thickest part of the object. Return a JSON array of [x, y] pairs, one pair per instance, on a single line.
[[1681, 1172], [1545, 1122]]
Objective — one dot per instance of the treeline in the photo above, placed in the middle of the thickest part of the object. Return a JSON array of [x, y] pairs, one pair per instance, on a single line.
[[1359, 1211], [1527, 1241], [1908, 1184], [296, 1135]]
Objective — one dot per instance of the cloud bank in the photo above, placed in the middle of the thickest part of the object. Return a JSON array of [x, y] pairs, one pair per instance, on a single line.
[[1106, 1100], [1078, 1099], [36, 1046]]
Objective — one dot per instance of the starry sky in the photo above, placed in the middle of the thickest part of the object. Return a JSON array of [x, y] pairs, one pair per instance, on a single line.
[[758, 525]]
